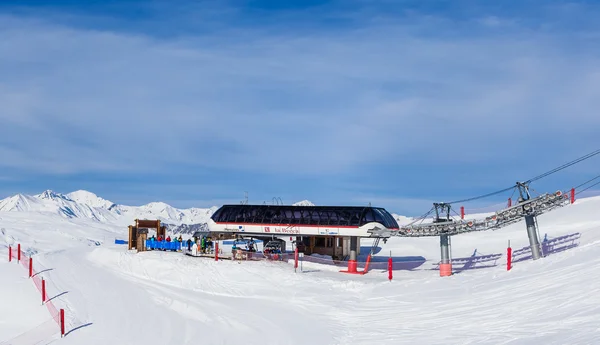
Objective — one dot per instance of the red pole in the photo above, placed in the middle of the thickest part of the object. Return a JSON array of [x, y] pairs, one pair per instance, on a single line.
[[19, 252], [509, 202], [508, 257], [295, 258], [390, 268], [572, 195], [30, 267], [62, 322], [9, 253], [367, 264], [462, 212], [43, 291], [216, 251]]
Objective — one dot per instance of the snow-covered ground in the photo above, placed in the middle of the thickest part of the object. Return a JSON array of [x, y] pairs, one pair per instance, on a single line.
[[114, 296]]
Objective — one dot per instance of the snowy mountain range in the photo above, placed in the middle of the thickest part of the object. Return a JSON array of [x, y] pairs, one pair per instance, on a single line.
[[87, 205]]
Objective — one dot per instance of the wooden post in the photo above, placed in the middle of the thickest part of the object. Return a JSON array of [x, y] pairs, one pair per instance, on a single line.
[[130, 242]]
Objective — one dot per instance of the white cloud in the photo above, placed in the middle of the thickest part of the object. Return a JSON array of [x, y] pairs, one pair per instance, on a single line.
[[77, 100]]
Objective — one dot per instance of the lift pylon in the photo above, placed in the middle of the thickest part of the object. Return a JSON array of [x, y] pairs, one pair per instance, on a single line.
[[529, 214], [442, 215]]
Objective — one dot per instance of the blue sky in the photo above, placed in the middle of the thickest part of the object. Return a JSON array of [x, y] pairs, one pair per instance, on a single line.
[[397, 103]]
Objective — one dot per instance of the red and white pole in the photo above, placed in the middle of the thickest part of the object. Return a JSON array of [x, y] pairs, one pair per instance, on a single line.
[[572, 195], [62, 323], [508, 257], [462, 212], [296, 258], [9, 253], [216, 251], [19, 252], [30, 267], [43, 291]]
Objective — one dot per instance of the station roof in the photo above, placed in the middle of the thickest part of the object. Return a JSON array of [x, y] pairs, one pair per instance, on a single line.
[[304, 215]]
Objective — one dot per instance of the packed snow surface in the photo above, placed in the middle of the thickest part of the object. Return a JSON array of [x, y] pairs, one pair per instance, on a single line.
[[112, 296]]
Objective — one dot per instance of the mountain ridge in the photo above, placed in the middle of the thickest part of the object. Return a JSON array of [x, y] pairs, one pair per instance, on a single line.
[[87, 205]]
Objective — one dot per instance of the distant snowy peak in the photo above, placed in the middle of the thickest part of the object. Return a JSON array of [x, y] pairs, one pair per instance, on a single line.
[[163, 210], [51, 202], [303, 203], [90, 199], [51, 195], [19, 202]]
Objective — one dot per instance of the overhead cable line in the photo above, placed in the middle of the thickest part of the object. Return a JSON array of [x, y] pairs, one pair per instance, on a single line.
[[586, 182], [583, 190], [564, 166], [420, 218], [550, 172], [483, 196]]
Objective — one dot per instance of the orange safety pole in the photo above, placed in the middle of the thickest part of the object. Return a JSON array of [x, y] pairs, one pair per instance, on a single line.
[[367, 264]]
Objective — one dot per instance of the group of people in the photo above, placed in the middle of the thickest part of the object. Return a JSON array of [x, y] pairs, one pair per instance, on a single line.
[[202, 245], [168, 239], [250, 246]]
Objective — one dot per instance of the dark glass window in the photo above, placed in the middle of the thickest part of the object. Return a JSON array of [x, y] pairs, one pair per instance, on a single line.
[[315, 217], [379, 218], [298, 217], [318, 215], [306, 213], [367, 216], [333, 217], [217, 214], [355, 218]]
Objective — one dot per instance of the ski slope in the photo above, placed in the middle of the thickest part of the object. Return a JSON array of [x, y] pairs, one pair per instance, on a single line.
[[113, 296]]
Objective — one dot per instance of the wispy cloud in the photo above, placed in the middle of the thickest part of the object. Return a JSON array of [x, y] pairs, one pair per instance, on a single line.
[[314, 100]]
